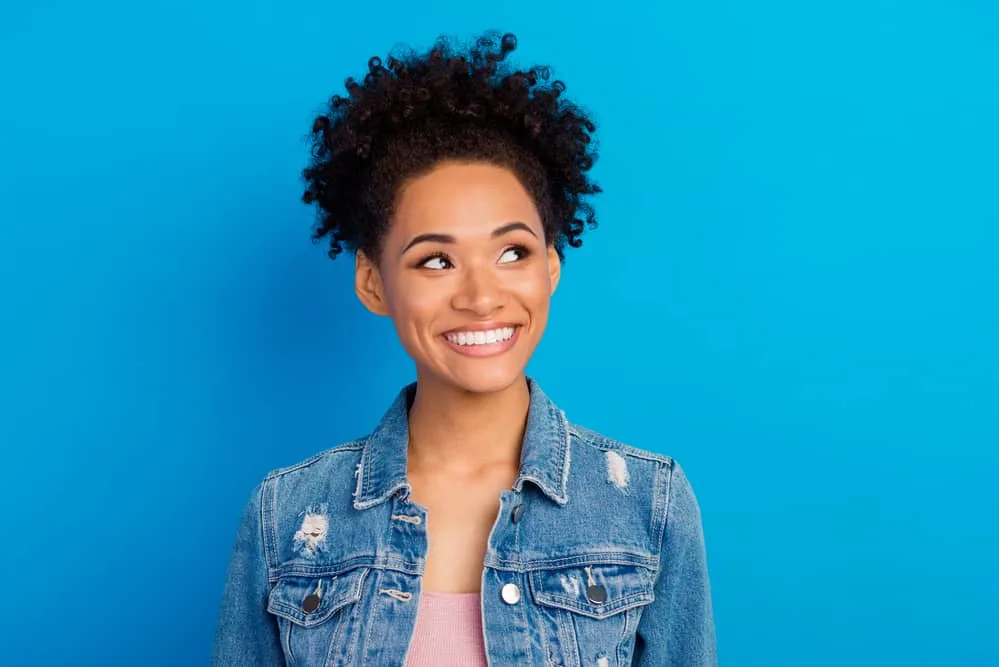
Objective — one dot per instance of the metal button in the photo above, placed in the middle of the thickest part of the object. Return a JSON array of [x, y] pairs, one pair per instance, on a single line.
[[596, 594], [517, 513], [311, 603], [511, 593]]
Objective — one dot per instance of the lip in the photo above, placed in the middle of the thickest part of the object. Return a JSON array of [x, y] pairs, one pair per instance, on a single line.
[[487, 350]]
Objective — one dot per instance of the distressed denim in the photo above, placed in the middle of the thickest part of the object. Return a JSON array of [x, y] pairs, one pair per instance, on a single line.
[[596, 557]]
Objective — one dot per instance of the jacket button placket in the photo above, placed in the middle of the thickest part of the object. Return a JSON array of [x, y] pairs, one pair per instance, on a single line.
[[504, 592], [396, 594]]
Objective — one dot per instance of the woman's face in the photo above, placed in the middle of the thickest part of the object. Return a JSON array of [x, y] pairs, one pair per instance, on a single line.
[[465, 274]]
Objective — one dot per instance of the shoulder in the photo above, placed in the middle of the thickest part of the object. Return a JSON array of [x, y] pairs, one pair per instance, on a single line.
[[319, 463], [597, 460], [310, 494], [589, 438], [331, 473], [644, 475]]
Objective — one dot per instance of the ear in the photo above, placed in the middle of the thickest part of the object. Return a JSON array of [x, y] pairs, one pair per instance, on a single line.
[[554, 267], [368, 285]]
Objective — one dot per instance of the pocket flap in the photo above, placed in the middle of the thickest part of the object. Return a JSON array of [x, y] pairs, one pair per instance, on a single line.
[[598, 590], [310, 600]]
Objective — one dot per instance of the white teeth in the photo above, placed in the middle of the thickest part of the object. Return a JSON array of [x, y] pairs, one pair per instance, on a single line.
[[481, 337]]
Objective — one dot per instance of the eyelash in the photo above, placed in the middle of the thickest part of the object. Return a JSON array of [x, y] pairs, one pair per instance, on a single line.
[[524, 252], [434, 255]]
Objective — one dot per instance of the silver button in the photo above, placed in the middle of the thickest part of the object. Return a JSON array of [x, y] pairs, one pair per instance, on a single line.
[[511, 593]]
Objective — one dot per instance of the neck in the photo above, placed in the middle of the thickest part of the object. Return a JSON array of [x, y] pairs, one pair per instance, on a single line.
[[452, 430]]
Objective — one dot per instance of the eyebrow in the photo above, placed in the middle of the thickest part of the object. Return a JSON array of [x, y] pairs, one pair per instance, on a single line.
[[447, 238]]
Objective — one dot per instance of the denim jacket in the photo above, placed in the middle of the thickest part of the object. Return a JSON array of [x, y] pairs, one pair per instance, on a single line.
[[596, 557]]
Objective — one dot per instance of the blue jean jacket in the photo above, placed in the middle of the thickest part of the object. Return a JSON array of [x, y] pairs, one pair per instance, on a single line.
[[596, 557]]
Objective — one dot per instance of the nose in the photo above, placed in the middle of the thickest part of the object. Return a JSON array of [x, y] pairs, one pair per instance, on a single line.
[[479, 293]]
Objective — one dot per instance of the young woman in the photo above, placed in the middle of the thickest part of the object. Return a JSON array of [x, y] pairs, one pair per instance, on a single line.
[[475, 524]]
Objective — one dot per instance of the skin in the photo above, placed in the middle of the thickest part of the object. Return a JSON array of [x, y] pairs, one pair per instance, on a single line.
[[467, 420]]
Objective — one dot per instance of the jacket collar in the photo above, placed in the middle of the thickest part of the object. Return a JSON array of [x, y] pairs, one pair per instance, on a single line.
[[544, 458]]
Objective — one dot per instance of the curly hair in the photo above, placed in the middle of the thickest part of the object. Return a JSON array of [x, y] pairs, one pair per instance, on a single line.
[[416, 110]]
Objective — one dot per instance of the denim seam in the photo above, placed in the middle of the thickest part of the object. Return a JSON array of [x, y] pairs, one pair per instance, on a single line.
[[660, 514], [393, 564], [568, 635], [268, 525], [349, 596], [367, 469], [348, 608], [523, 613], [373, 619], [619, 605], [631, 618], [566, 442], [605, 444], [286, 638], [352, 446], [543, 640], [609, 558]]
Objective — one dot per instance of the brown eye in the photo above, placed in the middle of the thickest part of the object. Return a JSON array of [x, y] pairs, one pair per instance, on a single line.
[[437, 262], [514, 254]]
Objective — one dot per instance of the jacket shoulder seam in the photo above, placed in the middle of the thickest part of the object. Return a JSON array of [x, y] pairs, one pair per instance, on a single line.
[[352, 446], [594, 439]]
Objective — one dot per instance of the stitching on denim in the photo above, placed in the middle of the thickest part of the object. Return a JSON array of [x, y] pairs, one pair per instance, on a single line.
[[660, 508], [566, 439], [567, 636], [523, 613], [402, 596], [373, 620], [269, 524], [602, 442], [353, 445], [389, 563], [345, 616], [649, 562]]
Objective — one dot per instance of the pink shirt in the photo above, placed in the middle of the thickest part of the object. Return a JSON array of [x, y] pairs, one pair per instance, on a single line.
[[448, 631]]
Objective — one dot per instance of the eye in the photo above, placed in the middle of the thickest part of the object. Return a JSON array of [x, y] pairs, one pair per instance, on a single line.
[[436, 262], [514, 254]]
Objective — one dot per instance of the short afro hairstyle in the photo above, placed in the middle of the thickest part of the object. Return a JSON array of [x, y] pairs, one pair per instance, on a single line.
[[416, 110]]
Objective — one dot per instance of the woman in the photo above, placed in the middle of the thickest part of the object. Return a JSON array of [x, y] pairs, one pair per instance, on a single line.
[[474, 525]]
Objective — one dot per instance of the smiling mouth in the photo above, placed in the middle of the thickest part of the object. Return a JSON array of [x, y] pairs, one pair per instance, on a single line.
[[487, 337], [482, 343]]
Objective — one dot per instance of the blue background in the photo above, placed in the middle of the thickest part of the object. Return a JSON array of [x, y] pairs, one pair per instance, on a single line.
[[793, 292]]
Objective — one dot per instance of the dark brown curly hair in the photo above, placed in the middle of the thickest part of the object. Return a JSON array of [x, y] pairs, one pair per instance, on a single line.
[[416, 110]]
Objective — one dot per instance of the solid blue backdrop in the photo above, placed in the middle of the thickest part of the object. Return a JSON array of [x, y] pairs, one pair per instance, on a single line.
[[793, 291]]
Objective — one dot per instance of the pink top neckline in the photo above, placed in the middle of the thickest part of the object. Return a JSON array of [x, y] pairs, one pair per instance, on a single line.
[[448, 631]]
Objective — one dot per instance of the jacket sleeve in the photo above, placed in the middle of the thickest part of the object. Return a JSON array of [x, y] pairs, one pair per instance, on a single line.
[[247, 634], [677, 628]]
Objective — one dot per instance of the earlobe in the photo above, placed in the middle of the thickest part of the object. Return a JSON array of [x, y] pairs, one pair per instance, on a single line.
[[368, 285]]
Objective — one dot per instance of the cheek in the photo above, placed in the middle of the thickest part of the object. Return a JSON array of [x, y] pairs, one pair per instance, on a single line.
[[535, 289], [415, 302]]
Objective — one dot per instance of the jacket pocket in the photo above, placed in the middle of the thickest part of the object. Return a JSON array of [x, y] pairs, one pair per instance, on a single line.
[[592, 611], [312, 611]]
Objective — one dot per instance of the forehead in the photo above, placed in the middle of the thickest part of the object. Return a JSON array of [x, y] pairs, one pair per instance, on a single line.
[[463, 199]]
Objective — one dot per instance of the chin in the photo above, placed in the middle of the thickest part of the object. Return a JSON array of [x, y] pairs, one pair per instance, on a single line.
[[484, 380]]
